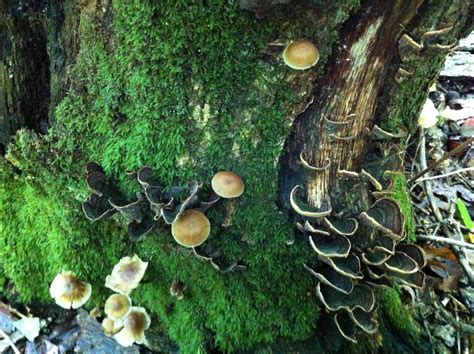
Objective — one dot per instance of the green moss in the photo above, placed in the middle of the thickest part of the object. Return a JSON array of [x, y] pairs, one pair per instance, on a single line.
[[181, 87], [398, 316], [402, 195], [40, 237]]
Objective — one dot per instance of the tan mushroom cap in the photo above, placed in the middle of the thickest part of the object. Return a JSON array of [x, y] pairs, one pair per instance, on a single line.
[[68, 291], [227, 184], [117, 306], [301, 54], [134, 326], [126, 275], [191, 229]]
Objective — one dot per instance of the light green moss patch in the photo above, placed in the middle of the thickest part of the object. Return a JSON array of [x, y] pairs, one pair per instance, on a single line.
[[402, 195], [398, 316]]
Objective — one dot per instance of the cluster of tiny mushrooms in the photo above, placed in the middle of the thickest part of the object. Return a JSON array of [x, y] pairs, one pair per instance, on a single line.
[[126, 323], [358, 242]]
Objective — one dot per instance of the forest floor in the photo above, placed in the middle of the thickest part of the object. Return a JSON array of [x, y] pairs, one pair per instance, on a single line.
[[443, 200]]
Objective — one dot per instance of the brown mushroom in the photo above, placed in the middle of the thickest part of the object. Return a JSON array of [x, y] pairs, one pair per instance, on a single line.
[[191, 229], [227, 184], [301, 54]]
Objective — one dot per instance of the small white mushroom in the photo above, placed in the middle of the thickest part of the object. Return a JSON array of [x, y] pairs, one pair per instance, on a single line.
[[126, 275], [68, 291], [111, 327], [117, 306], [428, 116], [134, 326]]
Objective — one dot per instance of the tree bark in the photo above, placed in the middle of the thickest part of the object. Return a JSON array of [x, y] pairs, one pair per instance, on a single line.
[[359, 80]]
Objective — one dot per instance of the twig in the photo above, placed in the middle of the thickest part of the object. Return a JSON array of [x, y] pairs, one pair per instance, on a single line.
[[448, 241], [425, 325], [459, 325], [458, 336], [460, 254], [442, 159], [468, 169], [9, 340]]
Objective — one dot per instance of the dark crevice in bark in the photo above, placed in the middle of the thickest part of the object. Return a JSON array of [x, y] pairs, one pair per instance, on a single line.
[[34, 89], [24, 69], [37, 43]]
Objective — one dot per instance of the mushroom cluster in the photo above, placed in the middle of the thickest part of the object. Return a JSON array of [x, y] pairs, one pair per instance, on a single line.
[[68, 291], [125, 322], [179, 207], [358, 237]]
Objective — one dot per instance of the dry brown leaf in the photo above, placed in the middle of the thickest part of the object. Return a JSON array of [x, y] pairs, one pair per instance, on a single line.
[[443, 252]]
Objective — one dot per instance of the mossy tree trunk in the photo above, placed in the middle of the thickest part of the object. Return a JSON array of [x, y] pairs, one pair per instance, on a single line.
[[191, 88]]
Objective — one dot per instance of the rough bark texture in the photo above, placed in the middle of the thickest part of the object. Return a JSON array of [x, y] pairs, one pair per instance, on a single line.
[[37, 43], [352, 90]]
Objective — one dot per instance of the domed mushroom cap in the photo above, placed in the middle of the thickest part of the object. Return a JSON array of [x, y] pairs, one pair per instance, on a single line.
[[117, 306], [111, 327], [126, 275], [301, 54], [68, 291], [227, 184], [134, 326], [191, 229]]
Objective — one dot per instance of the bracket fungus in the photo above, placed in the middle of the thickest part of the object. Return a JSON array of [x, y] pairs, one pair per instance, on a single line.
[[303, 208], [126, 275], [191, 229], [68, 291], [117, 306], [301, 54], [151, 205], [359, 244], [134, 326], [227, 184], [155, 205]]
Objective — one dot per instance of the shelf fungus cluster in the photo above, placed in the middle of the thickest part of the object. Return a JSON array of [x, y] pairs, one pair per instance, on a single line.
[[156, 205], [177, 206], [125, 322], [358, 237]]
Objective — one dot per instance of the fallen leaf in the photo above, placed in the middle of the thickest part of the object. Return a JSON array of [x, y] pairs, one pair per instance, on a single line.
[[29, 327], [443, 252], [450, 192]]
